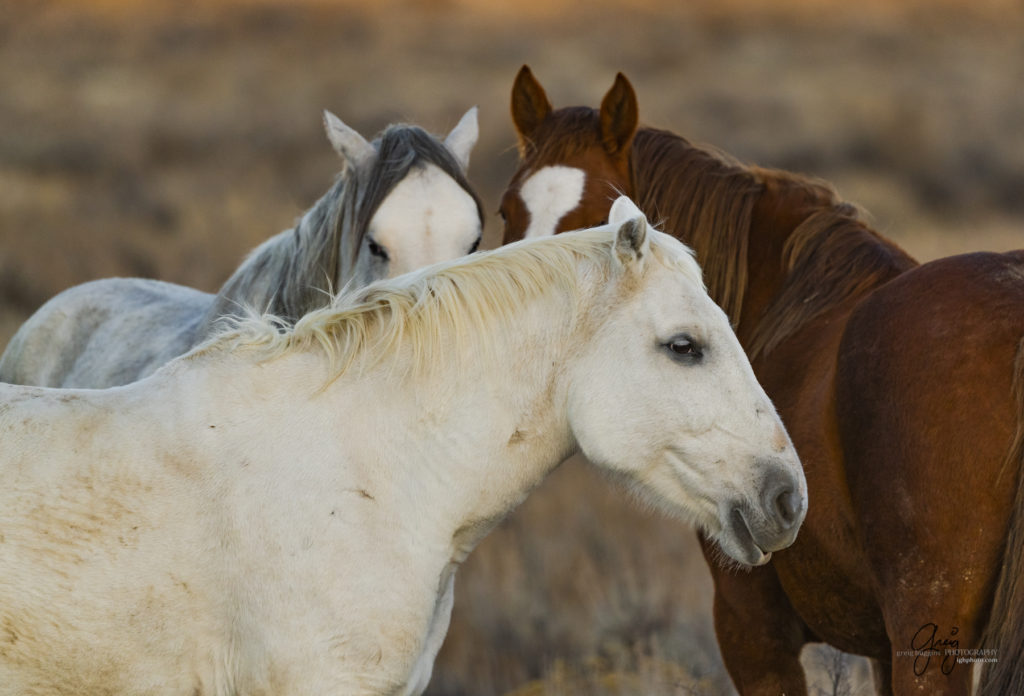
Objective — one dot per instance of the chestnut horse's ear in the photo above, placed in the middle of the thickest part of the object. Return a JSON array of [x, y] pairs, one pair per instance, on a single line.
[[530, 106], [618, 117]]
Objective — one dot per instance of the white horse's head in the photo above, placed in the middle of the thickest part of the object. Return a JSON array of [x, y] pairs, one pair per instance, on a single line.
[[414, 191], [664, 395]]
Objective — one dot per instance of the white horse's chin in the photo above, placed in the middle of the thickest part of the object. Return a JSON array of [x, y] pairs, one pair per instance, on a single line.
[[751, 556], [742, 549]]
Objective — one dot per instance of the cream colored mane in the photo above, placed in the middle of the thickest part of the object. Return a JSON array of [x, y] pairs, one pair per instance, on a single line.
[[462, 298]]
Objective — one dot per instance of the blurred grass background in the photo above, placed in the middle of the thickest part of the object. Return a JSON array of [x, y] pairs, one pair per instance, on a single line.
[[166, 138]]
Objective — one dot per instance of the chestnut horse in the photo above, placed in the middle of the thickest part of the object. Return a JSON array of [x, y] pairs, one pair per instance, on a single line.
[[901, 385]]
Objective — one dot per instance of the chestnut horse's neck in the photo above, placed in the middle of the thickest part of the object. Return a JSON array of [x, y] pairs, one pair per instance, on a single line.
[[777, 249]]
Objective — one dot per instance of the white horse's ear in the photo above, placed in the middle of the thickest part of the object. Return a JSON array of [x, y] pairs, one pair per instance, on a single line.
[[352, 147], [632, 243], [463, 137], [623, 209]]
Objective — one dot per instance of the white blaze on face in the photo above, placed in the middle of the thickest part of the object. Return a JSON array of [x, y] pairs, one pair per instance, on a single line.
[[548, 194], [426, 218]]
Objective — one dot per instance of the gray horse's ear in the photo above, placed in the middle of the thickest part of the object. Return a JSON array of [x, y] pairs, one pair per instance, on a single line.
[[632, 243], [352, 147], [463, 137]]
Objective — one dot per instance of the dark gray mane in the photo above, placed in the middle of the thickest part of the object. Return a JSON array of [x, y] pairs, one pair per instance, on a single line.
[[295, 271]]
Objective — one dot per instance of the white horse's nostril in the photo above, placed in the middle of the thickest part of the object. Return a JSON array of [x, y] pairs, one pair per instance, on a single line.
[[787, 506], [781, 499]]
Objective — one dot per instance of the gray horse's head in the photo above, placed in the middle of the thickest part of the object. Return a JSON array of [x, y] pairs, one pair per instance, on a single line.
[[399, 203], [406, 202]]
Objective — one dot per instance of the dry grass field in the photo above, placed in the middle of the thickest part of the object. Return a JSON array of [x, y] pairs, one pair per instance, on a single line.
[[165, 139]]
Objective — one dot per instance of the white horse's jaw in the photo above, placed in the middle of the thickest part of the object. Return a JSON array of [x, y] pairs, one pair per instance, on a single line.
[[428, 217], [548, 194]]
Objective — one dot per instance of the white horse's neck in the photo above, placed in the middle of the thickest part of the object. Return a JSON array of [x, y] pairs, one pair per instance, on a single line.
[[377, 481], [478, 444]]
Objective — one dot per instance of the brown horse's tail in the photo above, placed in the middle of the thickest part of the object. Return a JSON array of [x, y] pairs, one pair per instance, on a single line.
[[1004, 635]]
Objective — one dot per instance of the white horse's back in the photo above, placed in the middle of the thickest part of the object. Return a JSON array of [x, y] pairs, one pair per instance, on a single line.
[[105, 333], [94, 511], [159, 538]]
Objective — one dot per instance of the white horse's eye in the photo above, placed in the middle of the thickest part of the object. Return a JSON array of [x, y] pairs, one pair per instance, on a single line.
[[475, 245], [685, 348], [377, 250]]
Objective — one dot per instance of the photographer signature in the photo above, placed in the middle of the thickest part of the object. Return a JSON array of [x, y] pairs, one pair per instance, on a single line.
[[928, 644]]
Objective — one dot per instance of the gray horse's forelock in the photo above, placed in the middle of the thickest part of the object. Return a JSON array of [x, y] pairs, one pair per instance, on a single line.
[[400, 148], [298, 270]]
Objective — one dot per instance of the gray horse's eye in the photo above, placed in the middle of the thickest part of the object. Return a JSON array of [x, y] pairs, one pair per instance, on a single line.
[[377, 250]]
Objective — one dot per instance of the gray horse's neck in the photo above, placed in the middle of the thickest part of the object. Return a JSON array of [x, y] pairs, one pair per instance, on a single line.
[[289, 274]]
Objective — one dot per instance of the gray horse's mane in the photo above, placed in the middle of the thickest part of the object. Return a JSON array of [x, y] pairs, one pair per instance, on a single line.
[[300, 269]]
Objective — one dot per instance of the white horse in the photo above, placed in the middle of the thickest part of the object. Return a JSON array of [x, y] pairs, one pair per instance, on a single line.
[[283, 512], [400, 203]]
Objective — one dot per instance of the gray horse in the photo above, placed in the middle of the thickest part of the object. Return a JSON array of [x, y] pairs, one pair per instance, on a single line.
[[400, 203]]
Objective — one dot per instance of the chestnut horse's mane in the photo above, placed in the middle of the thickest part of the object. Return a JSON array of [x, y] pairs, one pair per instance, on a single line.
[[707, 199]]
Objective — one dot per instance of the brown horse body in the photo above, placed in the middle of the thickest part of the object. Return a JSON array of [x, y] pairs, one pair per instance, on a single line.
[[900, 385]]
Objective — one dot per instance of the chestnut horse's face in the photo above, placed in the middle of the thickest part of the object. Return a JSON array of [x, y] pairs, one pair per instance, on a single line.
[[574, 162]]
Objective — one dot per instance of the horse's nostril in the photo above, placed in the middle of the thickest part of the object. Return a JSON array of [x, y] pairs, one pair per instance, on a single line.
[[787, 506], [781, 500]]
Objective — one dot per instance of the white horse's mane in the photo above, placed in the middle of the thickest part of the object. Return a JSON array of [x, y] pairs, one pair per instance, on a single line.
[[461, 298]]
